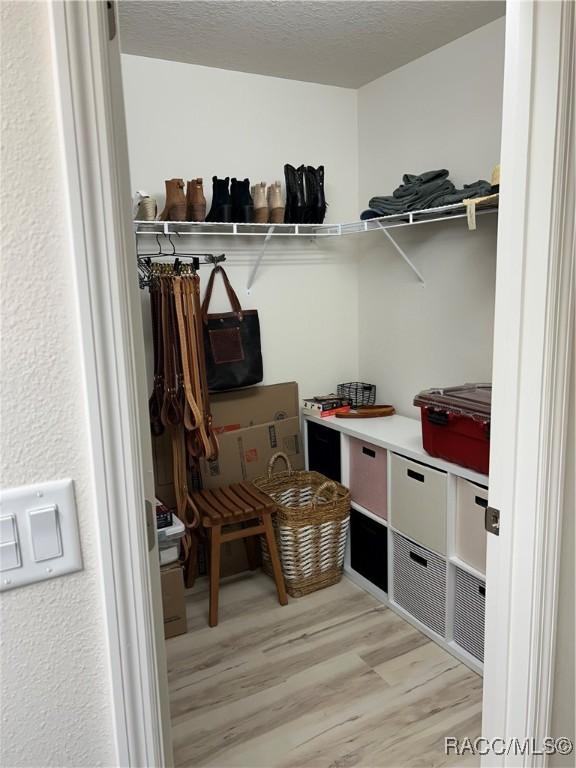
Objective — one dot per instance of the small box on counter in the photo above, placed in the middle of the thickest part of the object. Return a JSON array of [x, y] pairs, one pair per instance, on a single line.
[[326, 405], [173, 603]]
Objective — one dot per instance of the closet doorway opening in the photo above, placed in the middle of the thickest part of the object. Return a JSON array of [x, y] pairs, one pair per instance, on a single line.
[[383, 665], [261, 136]]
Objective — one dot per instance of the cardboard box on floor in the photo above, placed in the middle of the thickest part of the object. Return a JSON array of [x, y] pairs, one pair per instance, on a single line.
[[244, 453], [252, 425], [173, 603], [256, 405]]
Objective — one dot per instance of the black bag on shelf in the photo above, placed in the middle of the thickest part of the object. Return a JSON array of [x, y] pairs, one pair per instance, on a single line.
[[231, 342]]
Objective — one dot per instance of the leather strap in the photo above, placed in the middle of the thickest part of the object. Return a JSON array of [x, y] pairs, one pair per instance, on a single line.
[[196, 313], [155, 401], [171, 413], [232, 297], [192, 413], [368, 412]]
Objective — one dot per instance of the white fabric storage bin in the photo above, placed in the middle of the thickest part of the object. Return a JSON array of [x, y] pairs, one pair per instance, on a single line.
[[418, 502], [420, 583], [169, 541], [470, 597], [368, 471], [471, 503]]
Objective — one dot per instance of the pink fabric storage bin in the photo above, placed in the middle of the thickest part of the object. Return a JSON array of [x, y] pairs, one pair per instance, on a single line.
[[368, 471]]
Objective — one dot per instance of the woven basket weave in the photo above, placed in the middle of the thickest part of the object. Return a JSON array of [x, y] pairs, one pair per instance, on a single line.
[[311, 526]]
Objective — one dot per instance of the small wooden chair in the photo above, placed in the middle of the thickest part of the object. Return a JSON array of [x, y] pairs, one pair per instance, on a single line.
[[237, 503]]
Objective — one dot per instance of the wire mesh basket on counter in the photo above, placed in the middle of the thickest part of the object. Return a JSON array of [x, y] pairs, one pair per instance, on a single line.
[[311, 526], [358, 393]]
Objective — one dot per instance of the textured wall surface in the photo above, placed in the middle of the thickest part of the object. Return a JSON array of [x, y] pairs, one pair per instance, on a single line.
[[306, 293], [436, 112], [55, 699]]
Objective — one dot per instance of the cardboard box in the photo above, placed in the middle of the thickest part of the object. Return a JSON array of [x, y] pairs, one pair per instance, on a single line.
[[244, 453], [163, 469], [256, 405], [173, 602]]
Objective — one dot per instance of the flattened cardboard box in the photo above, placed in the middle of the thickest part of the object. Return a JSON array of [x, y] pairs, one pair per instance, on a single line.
[[242, 408], [173, 603], [245, 453]]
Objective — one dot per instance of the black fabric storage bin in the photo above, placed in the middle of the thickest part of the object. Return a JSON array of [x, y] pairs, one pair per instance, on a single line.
[[324, 450], [369, 549]]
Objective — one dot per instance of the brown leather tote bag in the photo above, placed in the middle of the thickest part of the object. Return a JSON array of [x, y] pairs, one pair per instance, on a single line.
[[231, 342]]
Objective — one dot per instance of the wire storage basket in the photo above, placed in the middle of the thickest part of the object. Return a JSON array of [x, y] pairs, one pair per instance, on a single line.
[[358, 393], [311, 525]]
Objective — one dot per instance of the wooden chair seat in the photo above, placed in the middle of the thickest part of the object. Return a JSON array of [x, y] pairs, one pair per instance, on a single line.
[[236, 503]]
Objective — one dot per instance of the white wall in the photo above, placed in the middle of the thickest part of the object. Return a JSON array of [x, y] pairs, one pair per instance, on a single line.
[[440, 111], [56, 697], [216, 122]]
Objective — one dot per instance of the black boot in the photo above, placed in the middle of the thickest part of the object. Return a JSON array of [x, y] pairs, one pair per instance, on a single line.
[[221, 208], [321, 204], [295, 194], [242, 202]]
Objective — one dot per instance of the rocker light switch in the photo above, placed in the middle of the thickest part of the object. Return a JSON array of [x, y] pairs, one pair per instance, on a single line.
[[45, 533], [39, 533]]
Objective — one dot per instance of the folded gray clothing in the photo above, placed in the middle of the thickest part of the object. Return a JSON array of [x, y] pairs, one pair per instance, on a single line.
[[478, 189], [428, 190]]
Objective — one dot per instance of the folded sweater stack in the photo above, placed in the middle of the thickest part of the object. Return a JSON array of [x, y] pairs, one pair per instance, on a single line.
[[428, 190]]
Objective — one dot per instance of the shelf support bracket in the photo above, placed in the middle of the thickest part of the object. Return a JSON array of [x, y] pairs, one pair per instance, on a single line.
[[259, 258], [401, 252]]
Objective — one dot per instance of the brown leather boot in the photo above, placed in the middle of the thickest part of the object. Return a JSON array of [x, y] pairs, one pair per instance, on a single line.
[[175, 206], [260, 203], [195, 201], [275, 203]]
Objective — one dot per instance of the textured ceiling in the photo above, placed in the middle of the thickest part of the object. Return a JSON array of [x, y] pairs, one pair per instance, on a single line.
[[346, 43]]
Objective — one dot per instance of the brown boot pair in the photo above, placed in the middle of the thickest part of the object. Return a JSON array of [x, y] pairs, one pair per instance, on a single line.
[[180, 207], [268, 205]]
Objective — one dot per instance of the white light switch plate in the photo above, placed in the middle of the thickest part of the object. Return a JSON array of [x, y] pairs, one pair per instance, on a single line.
[[39, 533]]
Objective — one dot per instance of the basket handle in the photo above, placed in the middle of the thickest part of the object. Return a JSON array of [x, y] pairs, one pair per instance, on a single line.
[[328, 485], [274, 459]]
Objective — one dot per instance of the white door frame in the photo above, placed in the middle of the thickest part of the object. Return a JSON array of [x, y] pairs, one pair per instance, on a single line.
[[531, 361], [533, 343]]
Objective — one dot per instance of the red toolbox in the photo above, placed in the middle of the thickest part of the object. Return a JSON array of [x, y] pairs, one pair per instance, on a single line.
[[456, 424]]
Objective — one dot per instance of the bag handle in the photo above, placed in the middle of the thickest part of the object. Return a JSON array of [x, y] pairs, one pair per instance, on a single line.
[[274, 459], [329, 485], [232, 297]]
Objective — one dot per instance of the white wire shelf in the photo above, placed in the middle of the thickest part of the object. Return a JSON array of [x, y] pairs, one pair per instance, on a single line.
[[312, 231], [222, 229]]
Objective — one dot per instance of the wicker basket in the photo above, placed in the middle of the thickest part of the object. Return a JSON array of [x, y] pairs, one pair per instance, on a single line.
[[311, 526]]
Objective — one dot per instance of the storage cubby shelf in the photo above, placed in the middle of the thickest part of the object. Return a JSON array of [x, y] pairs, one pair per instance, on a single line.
[[398, 434], [371, 515], [312, 231]]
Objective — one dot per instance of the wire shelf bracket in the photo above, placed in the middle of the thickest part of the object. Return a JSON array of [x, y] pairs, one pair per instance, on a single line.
[[256, 267], [402, 254]]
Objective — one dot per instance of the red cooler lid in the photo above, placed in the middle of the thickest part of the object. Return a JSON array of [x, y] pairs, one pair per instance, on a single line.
[[469, 400]]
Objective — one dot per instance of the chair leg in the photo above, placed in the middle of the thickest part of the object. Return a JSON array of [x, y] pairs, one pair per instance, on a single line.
[[252, 553], [215, 534], [274, 559]]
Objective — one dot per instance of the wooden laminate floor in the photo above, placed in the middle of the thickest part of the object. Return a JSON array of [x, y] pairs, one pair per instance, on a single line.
[[333, 679]]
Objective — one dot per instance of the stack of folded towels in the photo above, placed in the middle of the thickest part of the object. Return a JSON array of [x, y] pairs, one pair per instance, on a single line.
[[428, 190]]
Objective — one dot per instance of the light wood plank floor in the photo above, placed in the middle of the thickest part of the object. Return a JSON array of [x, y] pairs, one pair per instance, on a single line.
[[334, 679]]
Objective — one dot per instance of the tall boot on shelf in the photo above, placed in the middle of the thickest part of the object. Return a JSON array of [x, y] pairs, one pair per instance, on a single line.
[[275, 203], [242, 203], [221, 208], [195, 201], [260, 203], [295, 196], [321, 203], [175, 206]]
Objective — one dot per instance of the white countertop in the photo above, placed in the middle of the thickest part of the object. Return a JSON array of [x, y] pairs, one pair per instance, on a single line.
[[398, 434]]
